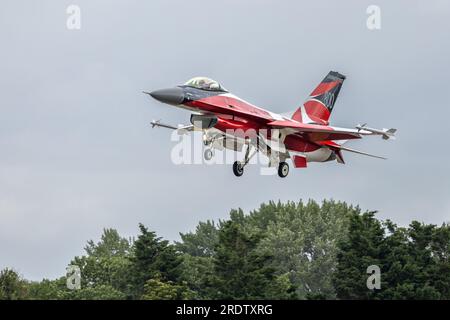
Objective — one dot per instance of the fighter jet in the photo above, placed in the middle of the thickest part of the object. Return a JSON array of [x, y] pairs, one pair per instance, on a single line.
[[227, 121]]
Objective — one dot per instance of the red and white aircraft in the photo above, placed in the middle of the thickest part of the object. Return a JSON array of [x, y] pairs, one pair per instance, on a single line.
[[230, 122]]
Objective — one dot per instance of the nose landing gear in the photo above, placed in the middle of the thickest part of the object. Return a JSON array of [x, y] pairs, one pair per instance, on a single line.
[[208, 154]]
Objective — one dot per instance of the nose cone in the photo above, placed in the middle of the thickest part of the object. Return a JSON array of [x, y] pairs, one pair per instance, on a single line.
[[171, 96]]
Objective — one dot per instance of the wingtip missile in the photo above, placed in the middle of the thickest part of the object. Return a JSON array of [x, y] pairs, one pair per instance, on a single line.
[[386, 134]]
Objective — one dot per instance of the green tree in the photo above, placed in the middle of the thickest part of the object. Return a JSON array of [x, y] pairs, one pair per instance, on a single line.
[[359, 250], [198, 274], [106, 264], [111, 244], [47, 289], [240, 272], [158, 289], [413, 267], [12, 286], [198, 250], [279, 251], [440, 271], [153, 257], [413, 261], [200, 243], [99, 292], [302, 239]]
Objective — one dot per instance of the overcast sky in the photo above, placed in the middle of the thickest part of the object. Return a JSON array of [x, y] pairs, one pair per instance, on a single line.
[[77, 153]]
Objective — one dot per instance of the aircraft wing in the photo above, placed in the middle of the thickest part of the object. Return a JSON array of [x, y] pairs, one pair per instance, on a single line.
[[320, 132]]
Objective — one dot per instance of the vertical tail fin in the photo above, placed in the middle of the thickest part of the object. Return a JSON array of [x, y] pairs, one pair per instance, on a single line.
[[320, 103]]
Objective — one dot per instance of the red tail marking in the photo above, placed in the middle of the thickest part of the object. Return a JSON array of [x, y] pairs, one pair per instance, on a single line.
[[315, 109], [324, 87]]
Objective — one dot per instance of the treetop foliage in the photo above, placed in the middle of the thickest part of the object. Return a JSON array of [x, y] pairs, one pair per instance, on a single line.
[[293, 250]]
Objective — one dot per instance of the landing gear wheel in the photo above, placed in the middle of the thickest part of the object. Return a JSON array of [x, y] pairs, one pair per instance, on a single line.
[[283, 169], [208, 154], [238, 169]]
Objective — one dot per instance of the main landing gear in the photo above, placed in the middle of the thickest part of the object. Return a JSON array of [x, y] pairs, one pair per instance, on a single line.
[[238, 166], [238, 169]]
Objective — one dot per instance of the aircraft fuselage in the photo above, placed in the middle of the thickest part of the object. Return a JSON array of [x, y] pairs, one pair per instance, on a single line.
[[240, 118]]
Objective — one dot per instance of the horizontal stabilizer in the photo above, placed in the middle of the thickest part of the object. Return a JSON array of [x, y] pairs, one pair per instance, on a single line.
[[389, 133]]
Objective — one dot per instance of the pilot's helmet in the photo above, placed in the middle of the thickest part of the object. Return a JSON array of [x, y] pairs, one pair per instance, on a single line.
[[214, 86]]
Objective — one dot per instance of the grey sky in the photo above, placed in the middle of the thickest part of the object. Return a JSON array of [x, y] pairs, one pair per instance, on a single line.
[[77, 153]]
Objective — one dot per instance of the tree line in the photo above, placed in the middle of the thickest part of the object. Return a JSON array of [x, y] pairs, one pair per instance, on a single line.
[[292, 250]]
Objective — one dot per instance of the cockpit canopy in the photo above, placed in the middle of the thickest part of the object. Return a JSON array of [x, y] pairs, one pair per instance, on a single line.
[[205, 84]]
